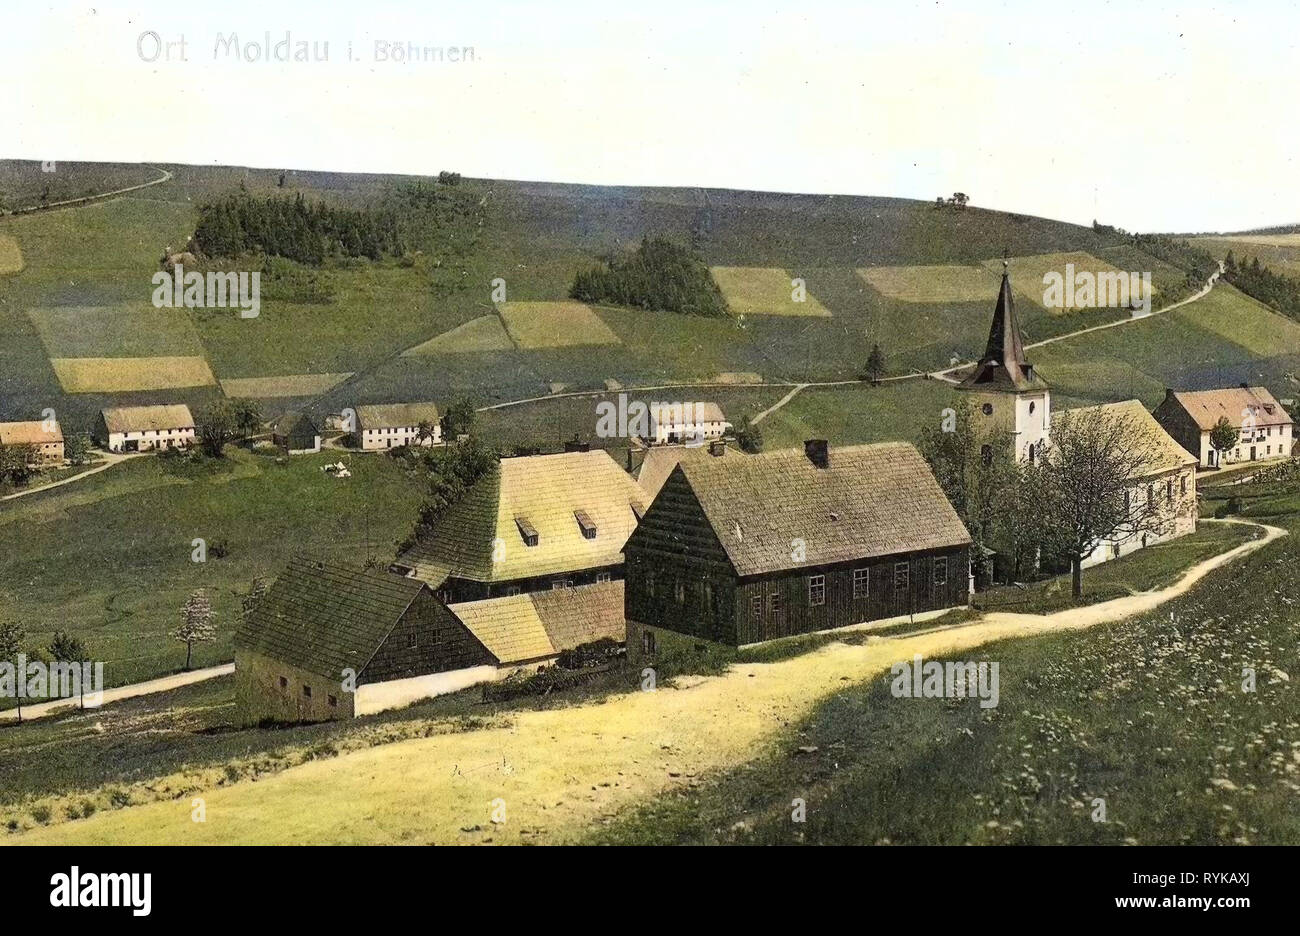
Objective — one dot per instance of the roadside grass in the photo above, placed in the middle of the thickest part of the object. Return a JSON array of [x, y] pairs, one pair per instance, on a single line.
[[763, 291], [109, 558], [933, 284], [1148, 569], [1145, 717]]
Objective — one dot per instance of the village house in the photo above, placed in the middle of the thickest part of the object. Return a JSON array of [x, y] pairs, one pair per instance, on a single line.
[[1167, 482], [327, 642], [659, 461], [672, 423], [743, 550], [532, 523], [1263, 426], [1007, 394], [296, 433], [45, 439], [142, 428], [389, 425]]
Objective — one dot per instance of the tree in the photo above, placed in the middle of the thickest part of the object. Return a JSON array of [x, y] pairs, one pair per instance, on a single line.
[[458, 420], [196, 623], [1091, 485], [246, 416], [216, 427], [749, 437], [68, 648], [17, 463], [424, 431], [12, 635], [1223, 436], [875, 365], [76, 449]]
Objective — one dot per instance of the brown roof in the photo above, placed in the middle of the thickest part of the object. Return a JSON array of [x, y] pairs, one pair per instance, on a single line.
[[1207, 406], [1161, 451], [1003, 366], [534, 626], [32, 432], [541, 493], [327, 618], [396, 415], [144, 418], [872, 500], [687, 413], [660, 460]]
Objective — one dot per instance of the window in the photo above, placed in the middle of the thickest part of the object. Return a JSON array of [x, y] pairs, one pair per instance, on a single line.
[[585, 524], [558, 584], [986, 455], [1031, 406], [816, 590], [648, 642], [1128, 500], [1182, 485], [284, 682], [333, 701], [1169, 490], [602, 576], [902, 576], [306, 691], [940, 572], [756, 607], [512, 589], [410, 641], [774, 603], [861, 583], [987, 409], [1151, 495], [526, 531]]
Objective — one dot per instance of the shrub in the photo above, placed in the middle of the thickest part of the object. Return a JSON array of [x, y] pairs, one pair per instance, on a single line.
[[41, 813], [595, 653]]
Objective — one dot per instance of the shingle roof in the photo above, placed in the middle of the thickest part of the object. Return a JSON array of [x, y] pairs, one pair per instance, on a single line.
[[396, 415], [534, 626], [538, 491], [1207, 406], [688, 413], [144, 418], [1161, 452], [660, 460], [327, 618], [872, 500], [31, 432], [295, 423]]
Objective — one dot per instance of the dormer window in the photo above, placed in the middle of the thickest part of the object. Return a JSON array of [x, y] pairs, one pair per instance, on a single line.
[[527, 531], [638, 510], [585, 524]]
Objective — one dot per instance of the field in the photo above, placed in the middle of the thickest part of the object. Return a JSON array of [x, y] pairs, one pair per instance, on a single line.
[[11, 257], [291, 385], [1027, 274], [109, 557], [125, 374], [485, 333], [1278, 252], [126, 330], [534, 325], [763, 291], [933, 284]]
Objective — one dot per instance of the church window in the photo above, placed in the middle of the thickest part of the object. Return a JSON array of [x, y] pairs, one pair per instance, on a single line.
[[987, 409]]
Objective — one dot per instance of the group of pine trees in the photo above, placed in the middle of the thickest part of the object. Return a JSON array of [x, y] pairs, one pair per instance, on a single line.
[[659, 275], [1273, 289]]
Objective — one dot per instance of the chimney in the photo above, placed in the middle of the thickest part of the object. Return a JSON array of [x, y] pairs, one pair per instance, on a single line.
[[818, 452], [1244, 385], [717, 448], [577, 445]]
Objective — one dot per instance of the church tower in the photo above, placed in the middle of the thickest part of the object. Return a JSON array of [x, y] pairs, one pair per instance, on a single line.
[[1005, 391]]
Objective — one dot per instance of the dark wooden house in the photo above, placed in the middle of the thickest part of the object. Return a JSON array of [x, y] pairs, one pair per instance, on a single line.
[[296, 433], [743, 550], [330, 642]]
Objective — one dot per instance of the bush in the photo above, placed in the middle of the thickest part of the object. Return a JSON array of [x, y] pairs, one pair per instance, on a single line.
[[41, 814], [595, 653]]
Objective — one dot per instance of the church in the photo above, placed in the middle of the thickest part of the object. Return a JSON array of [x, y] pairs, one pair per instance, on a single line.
[[1009, 395]]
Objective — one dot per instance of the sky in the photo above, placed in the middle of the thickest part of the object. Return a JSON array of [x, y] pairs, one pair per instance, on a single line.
[[1152, 117]]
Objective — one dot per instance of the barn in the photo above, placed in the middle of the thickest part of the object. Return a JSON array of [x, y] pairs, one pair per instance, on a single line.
[[296, 433], [744, 550], [141, 428]]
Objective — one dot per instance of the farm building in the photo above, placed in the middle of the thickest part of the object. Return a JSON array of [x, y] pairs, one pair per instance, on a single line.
[[660, 460], [1263, 426], [743, 550], [672, 423], [141, 428], [1168, 482], [296, 433], [328, 642], [1006, 392], [532, 523], [392, 424], [321, 628], [45, 439]]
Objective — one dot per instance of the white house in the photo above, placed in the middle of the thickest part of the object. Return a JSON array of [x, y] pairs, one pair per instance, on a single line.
[[389, 425], [44, 437], [1264, 427], [671, 423], [141, 428]]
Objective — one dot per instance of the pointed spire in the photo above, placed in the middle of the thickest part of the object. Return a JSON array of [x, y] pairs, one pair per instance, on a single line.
[[1003, 364]]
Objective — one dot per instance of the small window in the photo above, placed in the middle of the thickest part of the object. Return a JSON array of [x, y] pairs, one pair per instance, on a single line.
[[1169, 490], [902, 576], [987, 409], [558, 584], [585, 524], [940, 572], [512, 589], [816, 590], [774, 603], [333, 701], [284, 682], [411, 641], [1128, 499], [861, 583], [1182, 485], [986, 455], [306, 691], [602, 576], [1031, 406], [756, 607], [1151, 495]]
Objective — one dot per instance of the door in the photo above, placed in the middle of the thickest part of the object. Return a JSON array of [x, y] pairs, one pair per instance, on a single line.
[[1252, 453]]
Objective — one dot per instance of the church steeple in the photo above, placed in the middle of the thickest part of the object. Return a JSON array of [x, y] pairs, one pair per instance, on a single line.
[[1003, 366]]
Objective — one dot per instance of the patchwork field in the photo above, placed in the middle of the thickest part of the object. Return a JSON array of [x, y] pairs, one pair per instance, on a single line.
[[11, 258], [293, 385], [933, 283], [485, 333], [554, 325], [127, 374], [126, 330], [1027, 274], [763, 291]]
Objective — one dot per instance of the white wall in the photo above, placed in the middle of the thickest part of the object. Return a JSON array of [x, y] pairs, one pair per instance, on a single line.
[[378, 697]]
